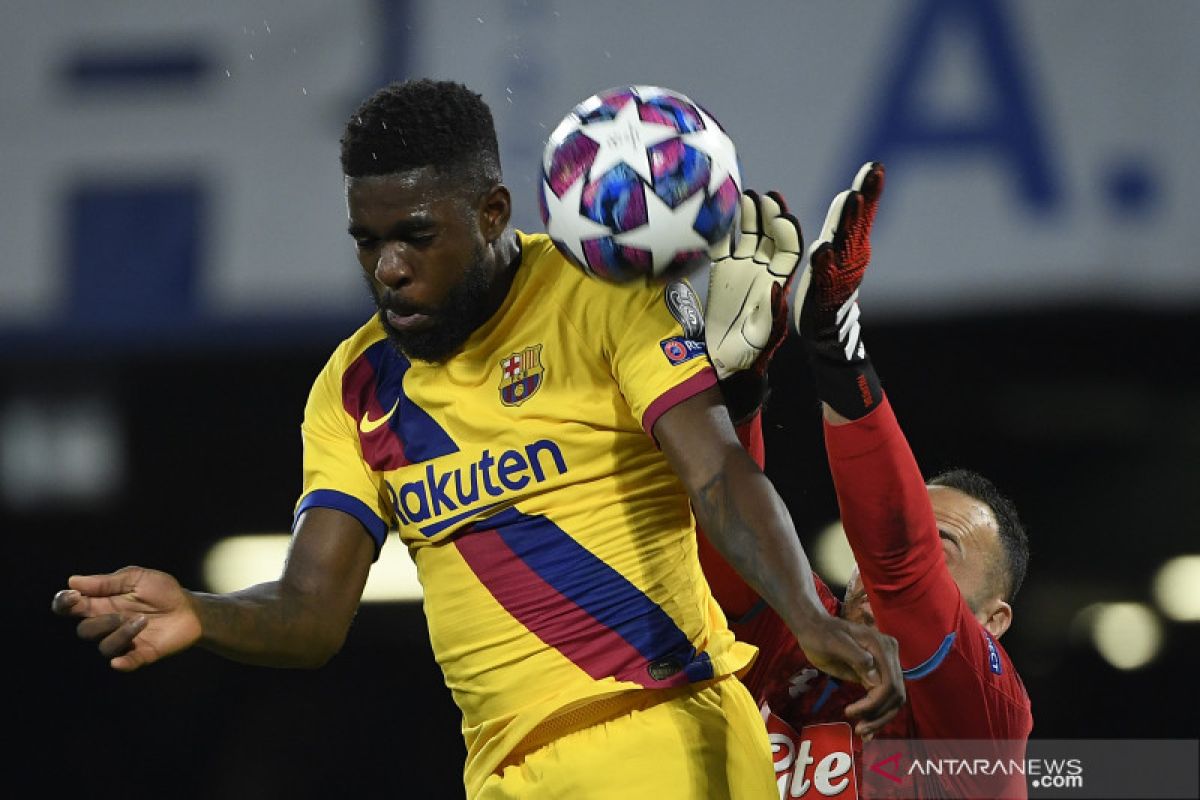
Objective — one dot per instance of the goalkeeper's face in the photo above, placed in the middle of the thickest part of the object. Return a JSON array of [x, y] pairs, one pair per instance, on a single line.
[[427, 263], [970, 539]]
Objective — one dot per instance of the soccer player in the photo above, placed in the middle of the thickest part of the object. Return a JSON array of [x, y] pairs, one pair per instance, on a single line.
[[937, 564], [540, 451]]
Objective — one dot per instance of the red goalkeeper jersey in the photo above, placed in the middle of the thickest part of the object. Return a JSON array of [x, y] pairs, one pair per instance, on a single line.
[[961, 684]]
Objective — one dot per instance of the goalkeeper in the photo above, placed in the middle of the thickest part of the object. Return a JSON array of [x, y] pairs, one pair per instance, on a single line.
[[938, 563]]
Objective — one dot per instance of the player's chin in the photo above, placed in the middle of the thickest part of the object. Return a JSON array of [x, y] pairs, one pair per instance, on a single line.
[[433, 342]]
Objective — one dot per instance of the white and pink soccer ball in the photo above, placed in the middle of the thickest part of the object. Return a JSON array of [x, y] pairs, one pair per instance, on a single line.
[[637, 183]]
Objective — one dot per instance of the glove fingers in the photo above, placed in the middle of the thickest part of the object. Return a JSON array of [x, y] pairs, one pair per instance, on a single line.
[[832, 219], [821, 258], [769, 212], [779, 200], [860, 177], [751, 222], [869, 180], [785, 231], [852, 213], [724, 247]]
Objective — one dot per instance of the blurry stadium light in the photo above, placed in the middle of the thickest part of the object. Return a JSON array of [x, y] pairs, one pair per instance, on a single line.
[[1177, 589], [60, 451], [832, 558], [1127, 635], [241, 561]]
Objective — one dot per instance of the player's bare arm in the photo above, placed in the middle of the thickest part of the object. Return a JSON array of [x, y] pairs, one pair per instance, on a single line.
[[745, 322], [138, 616], [748, 523]]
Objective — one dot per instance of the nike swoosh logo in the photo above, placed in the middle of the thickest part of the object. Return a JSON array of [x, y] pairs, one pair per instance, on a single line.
[[366, 424]]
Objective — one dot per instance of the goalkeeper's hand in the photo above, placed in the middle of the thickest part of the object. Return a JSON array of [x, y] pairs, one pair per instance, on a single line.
[[745, 314], [825, 308], [827, 295]]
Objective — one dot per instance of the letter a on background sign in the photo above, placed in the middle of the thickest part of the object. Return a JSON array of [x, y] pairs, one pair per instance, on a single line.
[[1007, 128]]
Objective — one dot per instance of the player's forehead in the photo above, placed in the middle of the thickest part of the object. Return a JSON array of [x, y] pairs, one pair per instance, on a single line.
[[962, 516], [415, 192]]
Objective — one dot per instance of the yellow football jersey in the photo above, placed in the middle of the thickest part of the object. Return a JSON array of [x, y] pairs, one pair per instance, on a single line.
[[555, 545]]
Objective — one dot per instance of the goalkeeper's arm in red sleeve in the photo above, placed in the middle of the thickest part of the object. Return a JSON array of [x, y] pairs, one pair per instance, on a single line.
[[889, 546]]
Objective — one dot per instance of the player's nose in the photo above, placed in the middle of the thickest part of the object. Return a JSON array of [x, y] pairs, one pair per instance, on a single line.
[[393, 268]]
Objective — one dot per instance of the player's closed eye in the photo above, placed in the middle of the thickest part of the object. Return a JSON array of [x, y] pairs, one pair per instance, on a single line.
[[951, 539]]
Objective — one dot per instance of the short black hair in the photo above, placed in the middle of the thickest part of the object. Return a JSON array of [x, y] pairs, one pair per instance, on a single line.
[[1014, 542], [419, 123]]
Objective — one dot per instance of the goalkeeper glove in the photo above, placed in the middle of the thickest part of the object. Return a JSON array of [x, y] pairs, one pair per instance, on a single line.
[[826, 313], [745, 314]]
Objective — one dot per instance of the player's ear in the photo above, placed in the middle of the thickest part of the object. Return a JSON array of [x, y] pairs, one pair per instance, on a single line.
[[495, 209], [996, 617]]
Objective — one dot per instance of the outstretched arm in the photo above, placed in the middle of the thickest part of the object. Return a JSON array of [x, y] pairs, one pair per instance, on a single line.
[[745, 322], [963, 687], [731, 591], [890, 525], [746, 520], [885, 509], [138, 616]]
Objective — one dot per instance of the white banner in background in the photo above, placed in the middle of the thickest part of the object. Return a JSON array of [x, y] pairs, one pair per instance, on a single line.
[[1037, 152]]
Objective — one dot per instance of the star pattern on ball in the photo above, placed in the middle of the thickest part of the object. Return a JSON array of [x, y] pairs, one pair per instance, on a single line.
[[666, 224], [626, 138], [566, 224], [719, 146]]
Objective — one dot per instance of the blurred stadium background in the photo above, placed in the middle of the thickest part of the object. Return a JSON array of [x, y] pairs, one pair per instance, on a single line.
[[174, 270]]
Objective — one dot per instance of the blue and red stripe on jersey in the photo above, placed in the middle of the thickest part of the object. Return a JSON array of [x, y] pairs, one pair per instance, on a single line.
[[372, 387], [578, 604]]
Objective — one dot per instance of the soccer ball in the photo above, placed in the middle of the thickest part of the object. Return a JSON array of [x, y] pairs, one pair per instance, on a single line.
[[637, 182]]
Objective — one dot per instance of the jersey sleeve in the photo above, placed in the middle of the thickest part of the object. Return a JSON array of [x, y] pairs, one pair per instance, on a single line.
[[968, 688], [960, 681], [657, 364], [890, 525], [335, 474]]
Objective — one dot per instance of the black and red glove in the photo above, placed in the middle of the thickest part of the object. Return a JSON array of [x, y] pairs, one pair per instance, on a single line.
[[825, 308]]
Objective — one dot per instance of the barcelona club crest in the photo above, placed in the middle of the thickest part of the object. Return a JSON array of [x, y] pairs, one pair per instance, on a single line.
[[521, 375]]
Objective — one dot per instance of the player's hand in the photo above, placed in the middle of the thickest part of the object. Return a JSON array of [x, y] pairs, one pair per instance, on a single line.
[[745, 314], [825, 308], [136, 615], [862, 655]]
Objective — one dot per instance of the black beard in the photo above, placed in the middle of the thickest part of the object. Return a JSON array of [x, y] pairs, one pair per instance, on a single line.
[[465, 308]]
